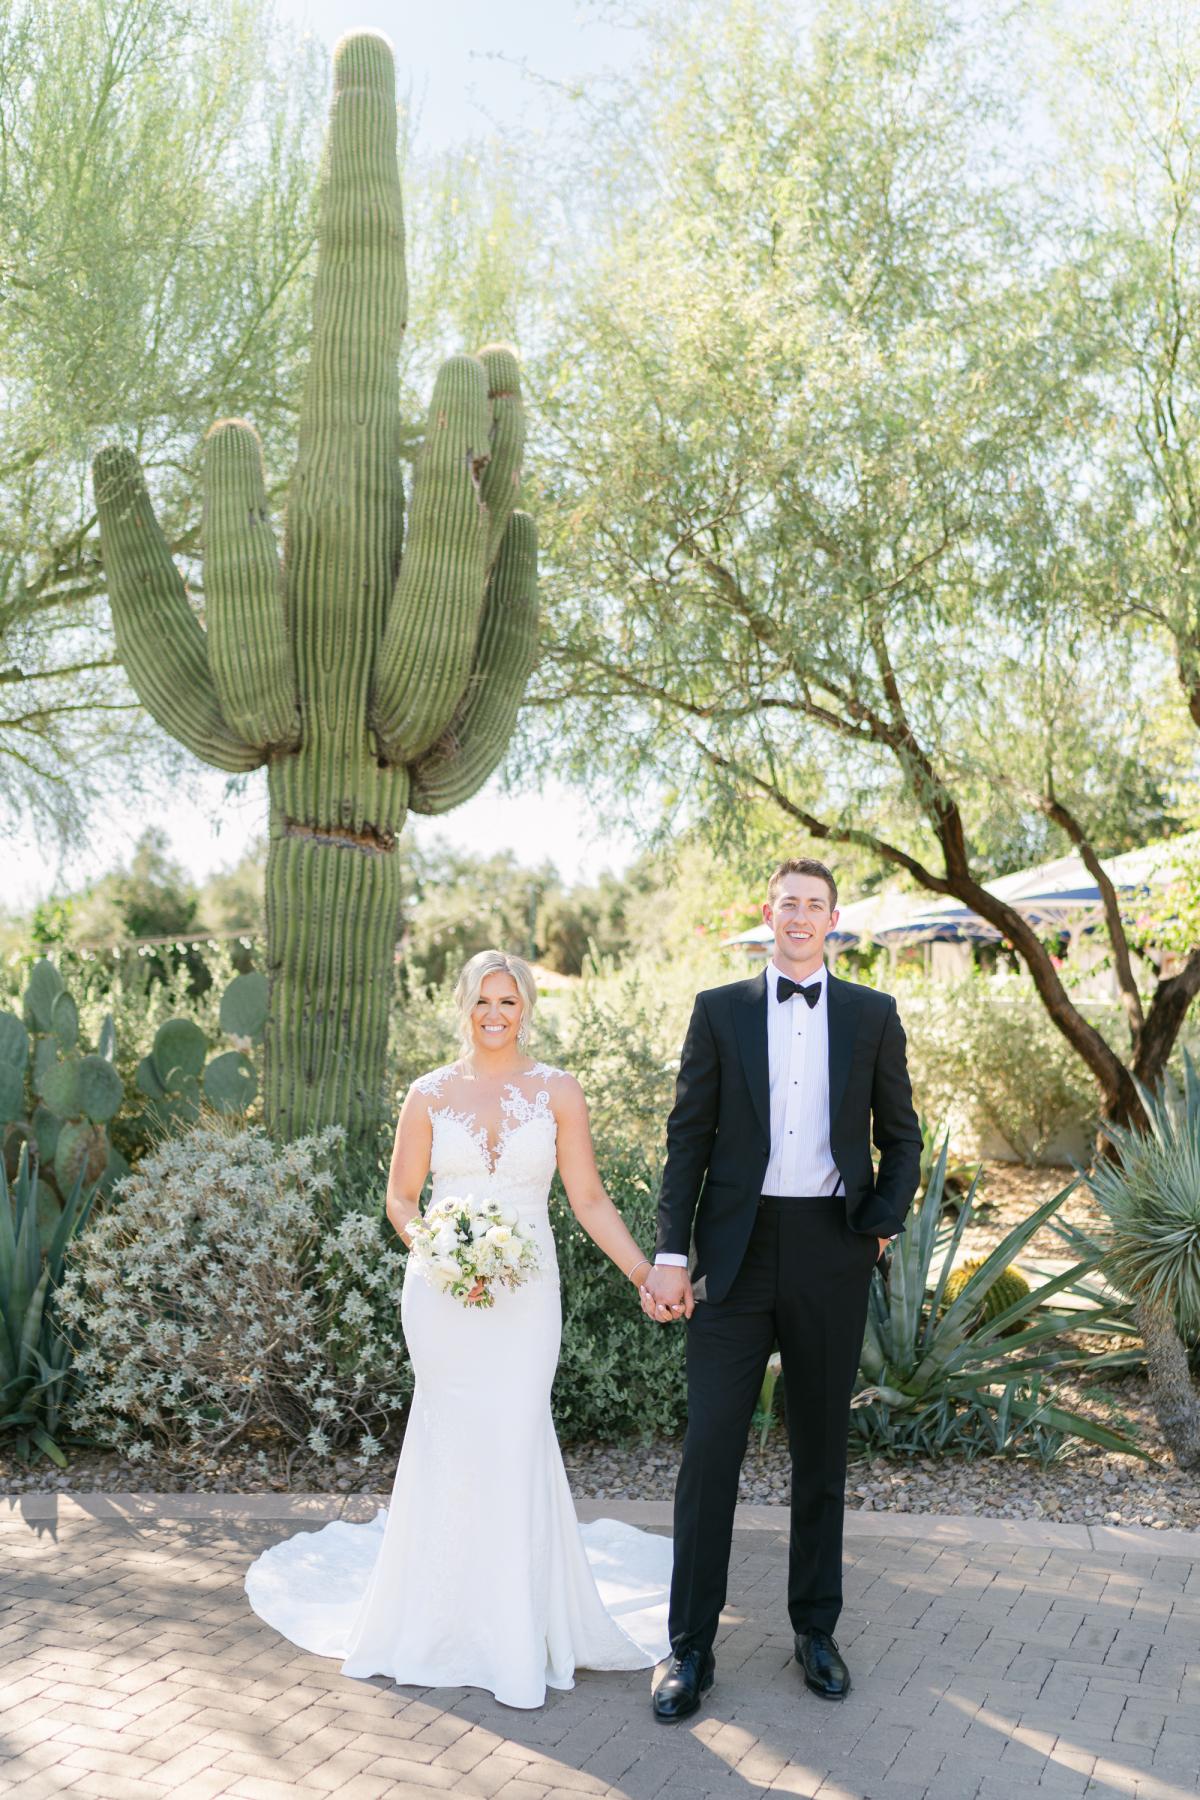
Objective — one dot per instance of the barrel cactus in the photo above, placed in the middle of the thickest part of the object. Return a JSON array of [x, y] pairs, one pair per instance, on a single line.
[[1009, 1287], [371, 672]]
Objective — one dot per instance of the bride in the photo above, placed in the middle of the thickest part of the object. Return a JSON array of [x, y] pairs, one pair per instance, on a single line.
[[478, 1574]]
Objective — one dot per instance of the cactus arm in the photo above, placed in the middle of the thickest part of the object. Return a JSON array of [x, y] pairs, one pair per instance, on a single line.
[[501, 482], [428, 646], [346, 510], [159, 639], [248, 650], [478, 735]]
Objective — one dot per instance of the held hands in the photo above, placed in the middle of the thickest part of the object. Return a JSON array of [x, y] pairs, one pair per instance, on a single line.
[[666, 1295], [666, 1292]]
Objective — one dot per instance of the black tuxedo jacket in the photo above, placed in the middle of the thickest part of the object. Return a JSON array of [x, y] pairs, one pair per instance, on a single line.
[[719, 1131]]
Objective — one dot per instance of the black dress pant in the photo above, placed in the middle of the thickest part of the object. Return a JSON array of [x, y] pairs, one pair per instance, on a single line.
[[803, 1284]]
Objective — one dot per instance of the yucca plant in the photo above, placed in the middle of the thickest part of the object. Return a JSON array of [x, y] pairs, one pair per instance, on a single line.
[[1148, 1188], [929, 1370], [35, 1352]]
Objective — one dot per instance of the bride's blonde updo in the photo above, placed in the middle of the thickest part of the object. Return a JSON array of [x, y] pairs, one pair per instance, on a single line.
[[472, 978]]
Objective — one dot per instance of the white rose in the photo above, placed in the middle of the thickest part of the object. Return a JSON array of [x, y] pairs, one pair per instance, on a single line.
[[446, 1265], [498, 1235], [508, 1215]]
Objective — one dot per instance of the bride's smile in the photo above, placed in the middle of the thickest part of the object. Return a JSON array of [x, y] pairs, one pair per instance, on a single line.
[[497, 1017]]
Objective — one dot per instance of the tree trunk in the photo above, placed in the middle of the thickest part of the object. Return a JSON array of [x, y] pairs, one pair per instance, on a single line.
[[1176, 1400]]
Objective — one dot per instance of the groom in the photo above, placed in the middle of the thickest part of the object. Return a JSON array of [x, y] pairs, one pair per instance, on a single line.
[[783, 1082]]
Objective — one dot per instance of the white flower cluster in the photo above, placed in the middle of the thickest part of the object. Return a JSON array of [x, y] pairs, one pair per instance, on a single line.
[[459, 1243], [228, 1292]]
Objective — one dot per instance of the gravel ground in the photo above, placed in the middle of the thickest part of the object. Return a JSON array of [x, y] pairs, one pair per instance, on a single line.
[[1087, 1486], [1007, 1193]]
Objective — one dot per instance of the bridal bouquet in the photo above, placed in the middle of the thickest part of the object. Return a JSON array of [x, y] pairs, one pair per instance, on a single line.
[[459, 1242]]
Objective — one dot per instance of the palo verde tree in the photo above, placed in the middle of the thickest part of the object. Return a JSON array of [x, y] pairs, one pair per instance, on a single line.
[[806, 515], [370, 673], [157, 162]]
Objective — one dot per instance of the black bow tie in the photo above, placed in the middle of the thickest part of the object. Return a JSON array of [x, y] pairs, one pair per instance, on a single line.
[[786, 987]]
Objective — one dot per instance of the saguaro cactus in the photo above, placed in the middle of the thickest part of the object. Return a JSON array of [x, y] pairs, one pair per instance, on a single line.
[[369, 674]]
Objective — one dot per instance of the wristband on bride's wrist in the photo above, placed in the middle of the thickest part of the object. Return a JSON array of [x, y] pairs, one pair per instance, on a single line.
[[642, 1262]]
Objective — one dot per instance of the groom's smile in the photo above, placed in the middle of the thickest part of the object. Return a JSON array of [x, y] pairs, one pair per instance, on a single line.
[[801, 915]]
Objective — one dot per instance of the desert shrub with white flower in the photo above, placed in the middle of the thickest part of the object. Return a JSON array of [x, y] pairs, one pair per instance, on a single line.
[[231, 1290]]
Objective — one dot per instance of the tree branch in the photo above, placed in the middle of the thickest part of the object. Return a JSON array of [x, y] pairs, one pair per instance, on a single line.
[[1062, 816]]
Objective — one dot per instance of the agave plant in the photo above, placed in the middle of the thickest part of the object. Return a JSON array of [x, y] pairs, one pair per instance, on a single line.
[[764, 1412], [1149, 1190], [35, 1353], [935, 1375]]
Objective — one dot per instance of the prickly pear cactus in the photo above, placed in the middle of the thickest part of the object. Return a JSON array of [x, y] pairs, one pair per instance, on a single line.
[[176, 1075], [369, 674], [60, 1099], [55, 1096], [1009, 1287]]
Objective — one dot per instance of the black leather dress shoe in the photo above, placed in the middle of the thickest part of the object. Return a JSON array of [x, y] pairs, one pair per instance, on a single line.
[[679, 1691], [824, 1671]]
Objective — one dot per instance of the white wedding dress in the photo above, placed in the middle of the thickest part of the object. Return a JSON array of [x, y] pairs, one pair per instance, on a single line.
[[478, 1573]]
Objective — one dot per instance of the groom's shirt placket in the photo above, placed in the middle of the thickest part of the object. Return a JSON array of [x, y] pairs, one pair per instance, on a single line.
[[801, 1162]]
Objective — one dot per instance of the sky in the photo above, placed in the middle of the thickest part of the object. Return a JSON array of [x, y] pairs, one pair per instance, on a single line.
[[464, 63]]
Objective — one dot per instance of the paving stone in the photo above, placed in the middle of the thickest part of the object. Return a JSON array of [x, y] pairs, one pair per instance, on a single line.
[[131, 1668]]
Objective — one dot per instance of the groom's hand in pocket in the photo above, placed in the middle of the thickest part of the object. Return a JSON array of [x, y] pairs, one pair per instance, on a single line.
[[666, 1294]]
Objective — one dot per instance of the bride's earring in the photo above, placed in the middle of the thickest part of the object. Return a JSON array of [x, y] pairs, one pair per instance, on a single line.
[[523, 1032]]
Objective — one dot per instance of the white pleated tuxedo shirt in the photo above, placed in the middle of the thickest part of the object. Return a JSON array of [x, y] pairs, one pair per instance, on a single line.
[[801, 1162], [798, 1065]]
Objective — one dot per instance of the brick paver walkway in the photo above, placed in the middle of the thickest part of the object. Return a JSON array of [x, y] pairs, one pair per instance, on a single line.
[[989, 1659]]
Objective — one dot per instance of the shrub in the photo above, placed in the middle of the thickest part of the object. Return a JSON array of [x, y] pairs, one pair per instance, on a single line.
[[230, 1291], [985, 1057], [618, 1372]]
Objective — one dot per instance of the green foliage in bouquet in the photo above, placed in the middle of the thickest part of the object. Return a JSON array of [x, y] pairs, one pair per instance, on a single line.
[[35, 1351], [935, 1376]]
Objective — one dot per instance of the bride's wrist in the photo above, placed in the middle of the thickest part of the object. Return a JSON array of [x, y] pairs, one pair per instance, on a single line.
[[643, 1262]]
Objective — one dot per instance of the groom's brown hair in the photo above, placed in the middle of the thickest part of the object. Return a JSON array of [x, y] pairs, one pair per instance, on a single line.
[[803, 865]]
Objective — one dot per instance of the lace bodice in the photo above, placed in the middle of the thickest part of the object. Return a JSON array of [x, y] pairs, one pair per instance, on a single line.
[[517, 1161]]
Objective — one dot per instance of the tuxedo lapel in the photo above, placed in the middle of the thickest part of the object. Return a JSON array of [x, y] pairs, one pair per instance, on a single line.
[[750, 1024], [843, 1025]]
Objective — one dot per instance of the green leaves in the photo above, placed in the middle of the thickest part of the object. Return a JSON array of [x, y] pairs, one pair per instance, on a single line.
[[35, 1352], [1150, 1193], [934, 1372]]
